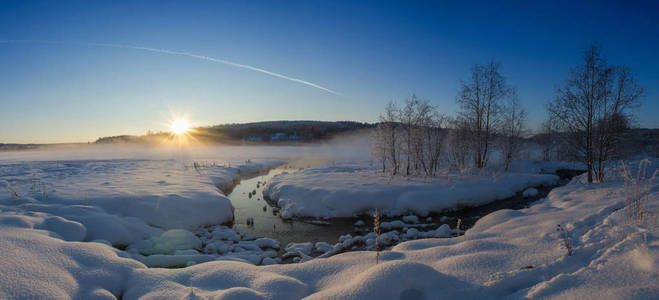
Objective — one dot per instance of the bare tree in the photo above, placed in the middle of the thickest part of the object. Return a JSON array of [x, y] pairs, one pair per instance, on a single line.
[[410, 118], [458, 142], [622, 92], [379, 144], [433, 139], [592, 108], [480, 105], [547, 139], [386, 144], [512, 127], [411, 136]]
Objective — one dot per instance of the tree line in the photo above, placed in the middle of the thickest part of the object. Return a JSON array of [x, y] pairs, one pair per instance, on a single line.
[[590, 112]]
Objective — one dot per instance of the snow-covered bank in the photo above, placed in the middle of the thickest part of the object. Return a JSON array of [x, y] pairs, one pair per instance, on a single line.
[[124, 201], [345, 191], [507, 254], [35, 265]]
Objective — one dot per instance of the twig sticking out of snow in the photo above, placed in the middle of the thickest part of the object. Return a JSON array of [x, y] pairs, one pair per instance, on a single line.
[[457, 227], [566, 240], [11, 191], [376, 230]]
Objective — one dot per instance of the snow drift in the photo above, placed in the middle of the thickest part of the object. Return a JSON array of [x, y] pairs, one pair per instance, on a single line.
[[345, 191]]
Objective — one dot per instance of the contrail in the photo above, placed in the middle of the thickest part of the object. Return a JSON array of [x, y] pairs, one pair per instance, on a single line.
[[181, 53]]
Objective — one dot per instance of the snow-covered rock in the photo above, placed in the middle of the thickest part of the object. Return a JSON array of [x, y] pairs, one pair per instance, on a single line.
[[396, 224], [294, 248], [412, 233], [322, 247], [268, 261], [169, 242], [412, 219], [530, 192], [267, 243]]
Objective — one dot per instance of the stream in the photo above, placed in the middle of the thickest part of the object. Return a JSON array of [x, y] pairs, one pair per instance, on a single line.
[[254, 216], [266, 221]]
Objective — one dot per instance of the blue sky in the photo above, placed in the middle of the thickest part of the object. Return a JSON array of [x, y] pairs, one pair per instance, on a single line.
[[369, 52]]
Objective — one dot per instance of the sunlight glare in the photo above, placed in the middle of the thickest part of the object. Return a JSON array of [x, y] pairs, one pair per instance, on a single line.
[[180, 126]]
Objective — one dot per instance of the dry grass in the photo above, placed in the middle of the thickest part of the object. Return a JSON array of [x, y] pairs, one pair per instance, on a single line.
[[11, 191], [458, 226], [565, 239], [636, 189], [376, 230]]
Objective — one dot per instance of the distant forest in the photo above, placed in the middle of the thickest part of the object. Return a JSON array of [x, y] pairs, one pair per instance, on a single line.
[[258, 132]]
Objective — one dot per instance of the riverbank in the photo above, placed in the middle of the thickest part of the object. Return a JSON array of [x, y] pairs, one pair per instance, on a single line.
[[597, 253]]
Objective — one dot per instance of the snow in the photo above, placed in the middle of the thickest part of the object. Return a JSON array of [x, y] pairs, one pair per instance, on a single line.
[[346, 191], [169, 242], [294, 248], [506, 254], [530, 192], [411, 219], [123, 201], [267, 243], [322, 247], [38, 266], [67, 230]]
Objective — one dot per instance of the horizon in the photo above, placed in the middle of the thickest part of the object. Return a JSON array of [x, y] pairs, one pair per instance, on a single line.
[[75, 72]]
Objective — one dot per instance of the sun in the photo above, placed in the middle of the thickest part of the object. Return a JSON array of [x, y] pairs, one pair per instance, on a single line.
[[180, 126]]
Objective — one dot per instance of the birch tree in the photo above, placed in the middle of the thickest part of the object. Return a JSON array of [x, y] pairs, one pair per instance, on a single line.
[[480, 100]]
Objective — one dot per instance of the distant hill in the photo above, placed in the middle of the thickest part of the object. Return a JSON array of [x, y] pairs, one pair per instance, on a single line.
[[257, 132], [18, 146], [635, 141]]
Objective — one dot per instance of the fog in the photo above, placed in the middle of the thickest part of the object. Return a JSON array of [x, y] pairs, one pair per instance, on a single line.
[[353, 146]]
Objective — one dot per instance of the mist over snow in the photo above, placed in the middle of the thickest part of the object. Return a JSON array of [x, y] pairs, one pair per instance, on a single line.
[[353, 146]]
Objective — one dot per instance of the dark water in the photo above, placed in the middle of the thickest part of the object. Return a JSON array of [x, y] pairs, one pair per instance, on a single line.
[[267, 223]]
